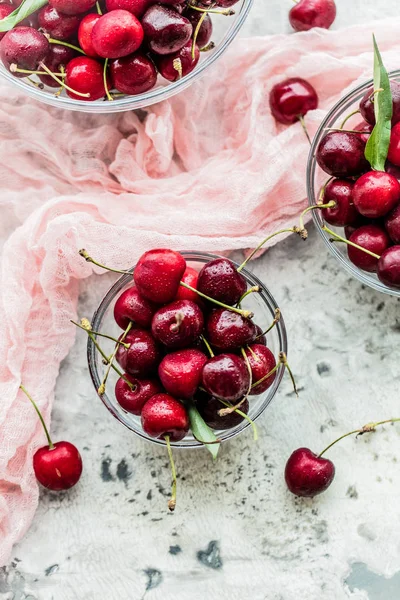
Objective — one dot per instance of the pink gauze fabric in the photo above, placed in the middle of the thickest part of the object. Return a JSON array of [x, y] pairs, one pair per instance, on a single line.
[[207, 170]]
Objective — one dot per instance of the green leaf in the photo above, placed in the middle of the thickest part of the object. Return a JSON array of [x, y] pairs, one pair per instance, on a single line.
[[377, 147], [27, 8], [201, 430]]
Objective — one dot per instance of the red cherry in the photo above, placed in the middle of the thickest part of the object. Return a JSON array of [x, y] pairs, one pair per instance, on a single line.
[[85, 75], [342, 154], [158, 274], [226, 377], [291, 99], [262, 362], [389, 267], [367, 107], [5, 10], [116, 34], [190, 277], [227, 330], [209, 407], [375, 194], [163, 416], [134, 74], [178, 325], [57, 56], [344, 213], [85, 34], [58, 468], [166, 64], [392, 224], [133, 400], [307, 474], [72, 7], [24, 47], [165, 30], [136, 7], [394, 147], [307, 14], [180, 372], [57, 25], [220, 280], [131, 306], [206, 27], [143, 355], [374, 239]]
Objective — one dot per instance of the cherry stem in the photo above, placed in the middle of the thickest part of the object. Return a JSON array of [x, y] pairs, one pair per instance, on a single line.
[[104, 335], [292, 230], [274, 322], [15, 69], [323, 190], [369, 428], [68, 45], [172, 500], [283, 361], [247, 314], [217, 441], [35, 406], [252, 290], [356, 112], [98, 9], [64, 85], [210, 46], [254, 355], [244, 415], [346, 130], [227, 13], [303, 124], [267, 375], [91, 260], [102, 388], [207, 345], [228, 411], [342, 239], [109, 97], [177, 65], [330, 204], [196, 31]]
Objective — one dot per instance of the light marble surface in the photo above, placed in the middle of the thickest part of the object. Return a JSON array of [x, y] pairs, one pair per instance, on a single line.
[[237, 533]]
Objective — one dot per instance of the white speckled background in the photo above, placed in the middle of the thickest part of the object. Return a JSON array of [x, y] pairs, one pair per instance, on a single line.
[[237, 534]]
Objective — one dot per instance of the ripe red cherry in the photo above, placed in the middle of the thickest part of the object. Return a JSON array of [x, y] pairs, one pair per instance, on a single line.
[[375, 194], [163, 416], [85, 75], [116, 34], [134, 74], [367, 104], [57, 25], [226, 377], [206, 27], [85, 34], [72, 7], [220, 280], [24, 47], [131, 306], [392, 224], [227, 330], [180, 372], [178, 325], [394, 147], [58, 468], [57, 56], [5, 10], [341, 154], [307, 14], [262, 361], [209, 407], [136, 7], [158, 274], [167, 65], [291, 99], [165, 30], [389, 267], [307, 474], [142, 357], [189, 277], [344, 213], [133, 400], [373, 238]]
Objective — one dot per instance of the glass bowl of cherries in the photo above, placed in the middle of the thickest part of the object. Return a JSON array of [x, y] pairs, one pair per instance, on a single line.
[[113, 55], [353, 177]]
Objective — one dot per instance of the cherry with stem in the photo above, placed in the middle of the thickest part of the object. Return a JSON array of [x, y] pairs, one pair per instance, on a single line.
[[35, 406], [172, 500], [243, 415], [275, 321], [83, 325], [102, 387]]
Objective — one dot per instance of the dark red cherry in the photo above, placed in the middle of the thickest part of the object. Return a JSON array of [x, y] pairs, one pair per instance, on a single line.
[[226, 376], [394, 147], [136, 7], [262, 362], [260, 337], [209, 407], [366, 129], [344, 213], [392, 224], [116, 34], [134, 74], [58, 468], [373, 238], [163, 416], [158, 274], [341, 154], [178, 325], [165, 30], [85, 34], [291, 99], [375, 194], [57, 25], [220, 280], [190, 277], [142, 357], [24, 47], [131, 306], [389, 267], [72, 7], [167, 65], [367, 104], [133, 399], [307, 474], [85, 75], [58, 56], [227, 330], [5, 10], [180, 372], [206, 27], [307, 14]]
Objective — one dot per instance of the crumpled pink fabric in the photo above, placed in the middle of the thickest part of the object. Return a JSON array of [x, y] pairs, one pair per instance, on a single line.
[[207, 170]]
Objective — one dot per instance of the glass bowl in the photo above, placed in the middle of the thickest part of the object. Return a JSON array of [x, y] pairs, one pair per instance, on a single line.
[[225, 30], [316, 177], [262, 304]]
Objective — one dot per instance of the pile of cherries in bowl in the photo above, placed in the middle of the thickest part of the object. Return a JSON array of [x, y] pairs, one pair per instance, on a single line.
[[93, 50]]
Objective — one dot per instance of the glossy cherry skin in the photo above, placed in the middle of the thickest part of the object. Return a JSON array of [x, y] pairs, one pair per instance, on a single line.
[[392, 224], [143, 356], [24, 47], [375, 194], [373, 238], [166, 64], [178, 325], [165, 30], [164, 416], [307, 14], [389, 267], [190, 277], [180, 372], [291, 99], [72, 7], [206, 27], [307, 474], [209, 406], [367, 105], [5, 10], [365, 128], [342, 154], [220, 280], [57, 25], [394, 146], [262, 361], [131, 306], [85, 34], [158, 274], [57, 56], [344, 213], [133, 74], [226, 377], [136, 7], [117, 34], [58, 468], [227, 330], [133, 400], [85, 75]]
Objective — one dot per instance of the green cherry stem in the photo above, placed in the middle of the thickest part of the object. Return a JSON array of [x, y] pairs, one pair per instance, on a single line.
[[99, 12], [60, 82], [226, 13], [68, 45], [304, 126], [252, 290], [369, 428], [35, 406], [172, 500], [244, 415], [342, 239], [283, 361], [244, 263], [102, 388], [356, 112], [89, 259], [228, 411], [103, 335], [323, 190], [276, 320], [330, 204], [15, 69], [207, 345], [196, 31], [247, 314], [109, 97], [274, 370]]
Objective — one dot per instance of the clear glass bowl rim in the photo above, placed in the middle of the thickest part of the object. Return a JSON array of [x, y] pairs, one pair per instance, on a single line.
[[109, 298], [338, 109]]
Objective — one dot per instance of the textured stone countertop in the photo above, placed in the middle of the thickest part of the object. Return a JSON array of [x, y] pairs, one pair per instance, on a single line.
[[237, 533]]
